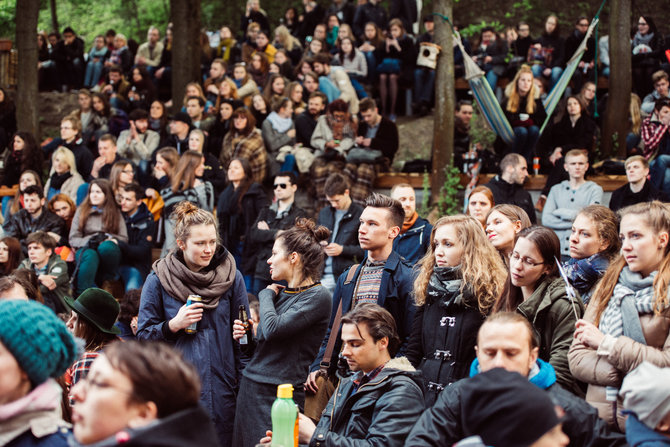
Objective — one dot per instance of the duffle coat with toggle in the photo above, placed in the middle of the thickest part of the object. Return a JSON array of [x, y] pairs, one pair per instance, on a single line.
[[442, 344]]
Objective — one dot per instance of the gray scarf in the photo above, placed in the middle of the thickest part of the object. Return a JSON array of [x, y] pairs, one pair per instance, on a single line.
[[632, 294], [642, 39]]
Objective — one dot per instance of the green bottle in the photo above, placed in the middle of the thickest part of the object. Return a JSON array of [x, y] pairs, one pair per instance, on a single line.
[[285, 418]]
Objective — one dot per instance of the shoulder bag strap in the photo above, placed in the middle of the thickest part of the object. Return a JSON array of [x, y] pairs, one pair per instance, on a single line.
[[335, 329]]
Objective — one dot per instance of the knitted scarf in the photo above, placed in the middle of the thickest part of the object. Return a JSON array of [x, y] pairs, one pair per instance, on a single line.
[[631, 286], [281, 125], [642, 39], [210, 283], [408, 224], [444, 284], [57, 179]]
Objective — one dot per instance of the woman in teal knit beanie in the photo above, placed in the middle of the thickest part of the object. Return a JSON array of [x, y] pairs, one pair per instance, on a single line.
[[35, 348]]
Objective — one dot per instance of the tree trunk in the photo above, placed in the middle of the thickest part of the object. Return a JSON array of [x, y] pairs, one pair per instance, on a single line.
[[620, 82], [54, 15], [27, 96], [443, 129], [185, 46]]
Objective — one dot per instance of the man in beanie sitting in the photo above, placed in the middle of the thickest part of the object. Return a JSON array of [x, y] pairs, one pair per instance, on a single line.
[[646, 397], [502, 409], [35, 348], [507, 340]]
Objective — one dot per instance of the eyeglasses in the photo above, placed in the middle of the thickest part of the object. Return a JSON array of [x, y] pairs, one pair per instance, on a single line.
[[65, 128], [280, 185], [642, 24], [583, 24], [514, 257], [88, 383], [128, 171]]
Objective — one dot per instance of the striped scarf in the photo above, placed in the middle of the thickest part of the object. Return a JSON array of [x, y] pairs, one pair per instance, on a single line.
[[631, 286]]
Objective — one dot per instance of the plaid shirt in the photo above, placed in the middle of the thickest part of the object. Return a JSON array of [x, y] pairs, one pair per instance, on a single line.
[[652, 133], [250, 147], [79, 370]]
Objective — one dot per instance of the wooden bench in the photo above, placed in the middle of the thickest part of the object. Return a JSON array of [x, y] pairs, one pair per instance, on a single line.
[[535, 182]]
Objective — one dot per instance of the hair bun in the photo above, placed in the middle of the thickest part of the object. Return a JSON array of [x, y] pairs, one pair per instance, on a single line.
[[183, 209], [319, 233]]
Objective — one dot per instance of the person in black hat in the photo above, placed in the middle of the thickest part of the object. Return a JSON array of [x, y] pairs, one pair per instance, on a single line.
[[93, 316], [505, 410], [179, 128]]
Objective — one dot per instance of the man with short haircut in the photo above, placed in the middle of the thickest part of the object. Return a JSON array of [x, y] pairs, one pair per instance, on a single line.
[[661, 91], [150, 52], [341, 218], [507, 340], [118, 87], [271, 222], [381, 401], [136, 252], [217, 73], [382, 277], [462, 118], [370, 11], [195, 107], [70, 137], [138, 143], [108, 155], [51, 270], [335, 82], [638, 189], [179, 128], [69, 57], [655, 133], [414, 238], [508, 186], [35, 217], [375, 131], [305, 123], [566, 199]]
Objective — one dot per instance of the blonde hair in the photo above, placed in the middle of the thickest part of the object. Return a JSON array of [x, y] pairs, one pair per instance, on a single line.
[[635, 115], [202, 138], [201, 93], [69, 159], [187, 215], [512, 92], [481, 266], [656, 215], [284, 37]]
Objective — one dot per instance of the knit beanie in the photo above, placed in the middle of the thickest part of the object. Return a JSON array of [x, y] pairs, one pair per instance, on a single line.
[[40, 342], [505, 409]]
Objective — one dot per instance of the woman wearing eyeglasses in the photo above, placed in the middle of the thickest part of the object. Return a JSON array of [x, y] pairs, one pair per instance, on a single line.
[[647, 52], [140, 394], [459, 280], [535, 289]]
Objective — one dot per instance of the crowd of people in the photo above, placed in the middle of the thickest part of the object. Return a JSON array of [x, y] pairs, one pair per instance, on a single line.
[[159, 280]]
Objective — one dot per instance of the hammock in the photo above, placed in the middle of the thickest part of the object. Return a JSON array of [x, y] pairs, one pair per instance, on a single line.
[[486, 99]]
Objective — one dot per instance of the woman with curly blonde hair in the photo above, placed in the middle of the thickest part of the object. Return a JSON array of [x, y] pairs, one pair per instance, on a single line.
[[459, 280]]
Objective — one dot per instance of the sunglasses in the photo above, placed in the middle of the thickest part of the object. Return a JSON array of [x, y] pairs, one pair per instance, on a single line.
[[281, 185]]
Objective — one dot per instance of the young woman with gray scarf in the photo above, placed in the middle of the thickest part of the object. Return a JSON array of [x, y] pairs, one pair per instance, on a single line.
[[199, 266], [627, 320]]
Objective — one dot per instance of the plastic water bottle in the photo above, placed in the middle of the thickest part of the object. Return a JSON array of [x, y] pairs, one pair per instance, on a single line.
[[284, 418]]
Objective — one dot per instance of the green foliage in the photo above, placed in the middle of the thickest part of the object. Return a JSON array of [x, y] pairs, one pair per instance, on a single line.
[[7, 18], [474, 29], [448, 203]]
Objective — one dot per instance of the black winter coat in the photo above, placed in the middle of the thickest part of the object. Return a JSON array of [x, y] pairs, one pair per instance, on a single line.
[[136, 252], [624, 196], [442, 343], [235, 222], [347, 236], [562, 134], [20, 225], [386, 139], [504, 192], [380, 413], [443, 425], [262, 240]]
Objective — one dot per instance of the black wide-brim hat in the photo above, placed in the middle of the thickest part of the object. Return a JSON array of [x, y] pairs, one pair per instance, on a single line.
[[98, 307]]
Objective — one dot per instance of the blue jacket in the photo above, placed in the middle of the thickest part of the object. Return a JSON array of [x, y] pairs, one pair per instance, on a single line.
[[413, 243], [395, 295], [639, 435], [211, 350], [141, 229]]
